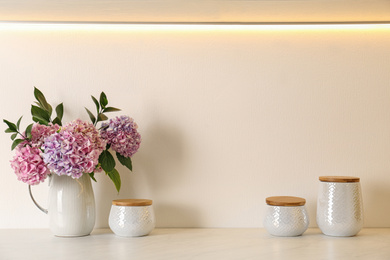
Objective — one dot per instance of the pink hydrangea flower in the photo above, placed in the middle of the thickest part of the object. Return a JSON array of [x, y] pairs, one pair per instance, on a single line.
[[89, 131], [121, 133], [40, 132], [74, 150], [28, 165]]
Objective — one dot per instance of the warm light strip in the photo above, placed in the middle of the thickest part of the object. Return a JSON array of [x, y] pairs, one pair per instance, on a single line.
[[56, 26]]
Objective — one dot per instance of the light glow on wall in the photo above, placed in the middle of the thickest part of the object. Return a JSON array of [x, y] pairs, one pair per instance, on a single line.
[[35, 26]]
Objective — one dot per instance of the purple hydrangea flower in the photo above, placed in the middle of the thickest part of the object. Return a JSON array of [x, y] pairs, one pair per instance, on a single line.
[[121, 133], [74, 150]]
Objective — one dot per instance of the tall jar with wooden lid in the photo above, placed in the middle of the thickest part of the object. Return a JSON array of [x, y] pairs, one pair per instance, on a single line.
[[286, 216], [131, 217], [339, 205]]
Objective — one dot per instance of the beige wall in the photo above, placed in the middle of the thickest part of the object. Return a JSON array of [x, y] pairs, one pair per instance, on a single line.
[[228, 115], [195, 10]]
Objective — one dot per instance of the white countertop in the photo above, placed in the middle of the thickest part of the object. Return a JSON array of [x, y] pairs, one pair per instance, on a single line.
[[251, 243]]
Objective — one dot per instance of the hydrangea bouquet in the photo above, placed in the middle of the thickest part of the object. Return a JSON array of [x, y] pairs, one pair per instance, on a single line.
[[75, 148]]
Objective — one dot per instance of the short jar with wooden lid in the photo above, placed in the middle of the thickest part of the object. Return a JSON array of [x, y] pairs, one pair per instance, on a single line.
[[286, 216], [339, 205], [131, 217]]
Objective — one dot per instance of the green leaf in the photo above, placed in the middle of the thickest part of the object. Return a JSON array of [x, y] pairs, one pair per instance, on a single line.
[[103, 100], [50, 110], [57, 121], [14, 136], [28, 131], [91, 116], [9, 131], [96, 103], [107, 161], [41, 99], [40, 120], [38, 94], [111, 109], [11, 126], [40, 113], [116, 178], [60, 111], [15, 143], [18, 123], [102, 117], [126, 161], [92, 175]]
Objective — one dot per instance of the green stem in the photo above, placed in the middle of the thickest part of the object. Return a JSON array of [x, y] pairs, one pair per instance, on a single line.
[[24, 137], [97, 117]]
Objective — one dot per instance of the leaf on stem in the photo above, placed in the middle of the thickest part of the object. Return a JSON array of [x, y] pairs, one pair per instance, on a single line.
[[116, 178], [57, 121], [103, 100], [15, 143], [102, 117], [125, 161], [107, 161], [91, 116], [9, 131], [111, 109], [60, 111], [40, 113], [50, 110], [40, 120], [96, 104], [28, 131], [18, 123], [11, 126], [13, 136], [42, 101], [92, 175]]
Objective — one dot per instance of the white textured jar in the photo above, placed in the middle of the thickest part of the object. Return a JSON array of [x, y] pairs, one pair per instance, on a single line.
[[286, 216], [339, 206], [131, 217]]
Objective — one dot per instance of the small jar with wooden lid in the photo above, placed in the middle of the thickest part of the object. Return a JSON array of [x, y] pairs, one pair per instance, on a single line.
[[339, 205], [131, 217], [286, 216]]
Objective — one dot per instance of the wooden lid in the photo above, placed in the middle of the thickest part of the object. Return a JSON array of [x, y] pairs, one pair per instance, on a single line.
[[132, 202], [339, 179], [285, 201]]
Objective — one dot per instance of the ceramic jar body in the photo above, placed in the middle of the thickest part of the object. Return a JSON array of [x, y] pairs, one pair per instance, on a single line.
[[340, 208], [286, 221], [71, 206], [131, 221]]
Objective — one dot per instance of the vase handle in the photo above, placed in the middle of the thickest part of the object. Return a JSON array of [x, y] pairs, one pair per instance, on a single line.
[[36, 204]]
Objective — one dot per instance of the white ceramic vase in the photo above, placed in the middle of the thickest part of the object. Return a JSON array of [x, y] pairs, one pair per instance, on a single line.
[[71, 206]]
